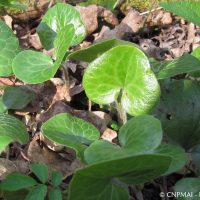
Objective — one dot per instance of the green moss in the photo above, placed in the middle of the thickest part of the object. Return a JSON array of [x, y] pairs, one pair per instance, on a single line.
[[139, 5]]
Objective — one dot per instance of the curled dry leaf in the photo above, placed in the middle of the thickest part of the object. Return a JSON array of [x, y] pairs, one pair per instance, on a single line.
[[38, 154]]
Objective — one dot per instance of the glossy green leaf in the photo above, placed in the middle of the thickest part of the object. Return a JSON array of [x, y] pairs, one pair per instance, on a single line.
[[56, 178], [47, 35], [55, 194], [189, 186], [111, 4], [126, 72], [83, 187], [39, 192], [17, 97], [41, 171], [96, 180], [139, 135], [177, 154], [177, 111], [70, 131], [184, 64], [34, 67], [57, 18], [195, 154], [16, 181], [94, 51], [62, 43], [9, 48], [11, 129], [189, 10]]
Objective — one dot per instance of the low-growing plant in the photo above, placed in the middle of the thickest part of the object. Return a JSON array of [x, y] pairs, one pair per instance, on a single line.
[[119, 74], [33, 188]]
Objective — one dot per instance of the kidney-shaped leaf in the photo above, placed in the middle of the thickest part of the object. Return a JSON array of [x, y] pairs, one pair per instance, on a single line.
[[11, 129], [177, 111], [57, 18], [189, 10], [131, 170], [189, 186], [122, 71], [70, 131], [139, 135], [34, 67], [9, 47]]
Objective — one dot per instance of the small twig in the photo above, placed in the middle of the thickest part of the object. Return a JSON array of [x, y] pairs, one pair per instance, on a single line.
[[150, 11], [89, 105]]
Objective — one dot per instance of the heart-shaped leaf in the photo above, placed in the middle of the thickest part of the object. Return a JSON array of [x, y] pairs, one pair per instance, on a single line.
[[177, 112], [94, 51], [70, 131], [9, 48], [57, 18], [16, 181], [139, 135], [189, 10], [11, 129], [189, 186], [17, 97], [34, 67], [96, 180], [122, 71]]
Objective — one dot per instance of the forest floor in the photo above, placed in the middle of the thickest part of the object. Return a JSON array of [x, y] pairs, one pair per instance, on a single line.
[[160, 34]]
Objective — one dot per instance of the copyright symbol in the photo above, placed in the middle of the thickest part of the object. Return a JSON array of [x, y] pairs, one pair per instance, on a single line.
[[162, 194]]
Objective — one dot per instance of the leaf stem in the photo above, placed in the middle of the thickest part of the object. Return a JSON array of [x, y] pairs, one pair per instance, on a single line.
[[121, 113]]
